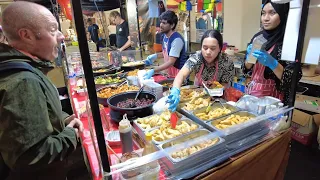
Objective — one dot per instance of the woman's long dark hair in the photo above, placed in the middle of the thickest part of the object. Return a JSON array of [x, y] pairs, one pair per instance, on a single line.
[[212, 34]]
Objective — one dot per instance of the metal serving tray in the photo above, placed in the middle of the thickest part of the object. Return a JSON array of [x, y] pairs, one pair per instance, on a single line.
[[175, 164], [234, 128], [142, 131], [189, 121], [203, 123]]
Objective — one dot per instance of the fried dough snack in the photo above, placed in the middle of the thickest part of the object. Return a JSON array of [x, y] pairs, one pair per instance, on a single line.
[[166, 132], [193, 149], [213, 114], [154, 120], [133, 73], [196, 104], [110, 91], [188, 94], [232, 120]]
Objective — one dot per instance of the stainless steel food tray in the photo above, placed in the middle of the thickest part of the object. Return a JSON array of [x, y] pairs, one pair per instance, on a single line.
[[176, 164], [142, 131], [203, 123], [234, 128], [189, 121]]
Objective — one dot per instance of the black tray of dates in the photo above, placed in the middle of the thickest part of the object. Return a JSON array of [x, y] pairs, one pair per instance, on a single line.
[[124, 103]]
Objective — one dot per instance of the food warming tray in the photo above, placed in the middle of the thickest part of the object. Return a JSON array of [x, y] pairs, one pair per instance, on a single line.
[[192, 114], [176, 164]]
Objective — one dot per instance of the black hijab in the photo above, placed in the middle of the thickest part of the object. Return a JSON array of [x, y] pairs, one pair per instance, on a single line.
[[276, 35]]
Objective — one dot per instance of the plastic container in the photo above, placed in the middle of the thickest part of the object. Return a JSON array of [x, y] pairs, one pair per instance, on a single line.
[[113, 138]]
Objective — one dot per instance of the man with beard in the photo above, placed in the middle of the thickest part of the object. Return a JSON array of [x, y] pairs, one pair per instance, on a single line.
[[36, 136], [173, 47]]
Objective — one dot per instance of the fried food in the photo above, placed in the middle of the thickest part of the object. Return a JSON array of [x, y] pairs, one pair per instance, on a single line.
[[133, 73], [110, 91], [167, 85], [197, 103], [154, 120], [215, 85], [166, 132], [133, 63], [193, 149], [231, 121], [213, 114], [188, 94]]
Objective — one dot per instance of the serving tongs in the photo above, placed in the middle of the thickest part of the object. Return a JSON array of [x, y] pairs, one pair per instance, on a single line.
[[209, 108]]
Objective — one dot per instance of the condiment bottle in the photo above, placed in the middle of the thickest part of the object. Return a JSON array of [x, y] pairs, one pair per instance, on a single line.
[[148, 149], [125, 130]]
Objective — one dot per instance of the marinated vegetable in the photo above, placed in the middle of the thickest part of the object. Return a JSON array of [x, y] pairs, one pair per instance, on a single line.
[[130, 103], [108, 80]]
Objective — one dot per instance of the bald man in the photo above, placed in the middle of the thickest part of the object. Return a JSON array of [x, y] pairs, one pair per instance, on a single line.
[[35, 134]]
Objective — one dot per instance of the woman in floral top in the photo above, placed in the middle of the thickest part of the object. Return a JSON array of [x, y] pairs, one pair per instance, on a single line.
[[209, 64]]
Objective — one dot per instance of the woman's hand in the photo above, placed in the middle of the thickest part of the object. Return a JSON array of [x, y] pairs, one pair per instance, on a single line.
[[149, 74], [173, 99], [266, 59]]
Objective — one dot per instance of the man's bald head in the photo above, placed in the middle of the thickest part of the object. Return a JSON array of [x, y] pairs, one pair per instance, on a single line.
[[22, 14]]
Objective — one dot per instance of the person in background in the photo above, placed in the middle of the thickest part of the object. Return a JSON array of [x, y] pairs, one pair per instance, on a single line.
[[209, 65], [173, 47], [3, 39], [112, 35], [202, 21], [36, 136], [93, 29], [122, 31], [271, 76]]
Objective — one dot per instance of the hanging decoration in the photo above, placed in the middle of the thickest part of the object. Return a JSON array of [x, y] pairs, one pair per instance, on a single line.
[[185, 6], [66, 7], [206, 5]]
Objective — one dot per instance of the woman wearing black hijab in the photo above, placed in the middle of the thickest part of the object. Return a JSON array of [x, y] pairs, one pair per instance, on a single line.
[[271, 76]]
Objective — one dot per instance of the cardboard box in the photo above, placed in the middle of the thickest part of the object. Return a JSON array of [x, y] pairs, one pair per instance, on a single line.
[[303, 126], [307, 103]]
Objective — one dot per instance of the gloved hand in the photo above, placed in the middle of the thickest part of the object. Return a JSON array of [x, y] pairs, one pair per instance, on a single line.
[[265, 59], [149, 74], [173, 99], [249, 48], [150, 59]]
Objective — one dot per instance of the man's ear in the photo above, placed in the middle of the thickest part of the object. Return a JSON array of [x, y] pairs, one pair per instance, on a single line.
[[172, 26], [26, 35]]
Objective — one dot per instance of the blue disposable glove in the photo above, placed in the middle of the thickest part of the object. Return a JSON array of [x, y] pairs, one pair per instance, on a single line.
[[265, 59], [149, 74], [249, 48], [173, 99], [150, 59]]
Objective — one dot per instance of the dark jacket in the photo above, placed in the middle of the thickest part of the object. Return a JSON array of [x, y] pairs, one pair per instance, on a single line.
[[32, 129]]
